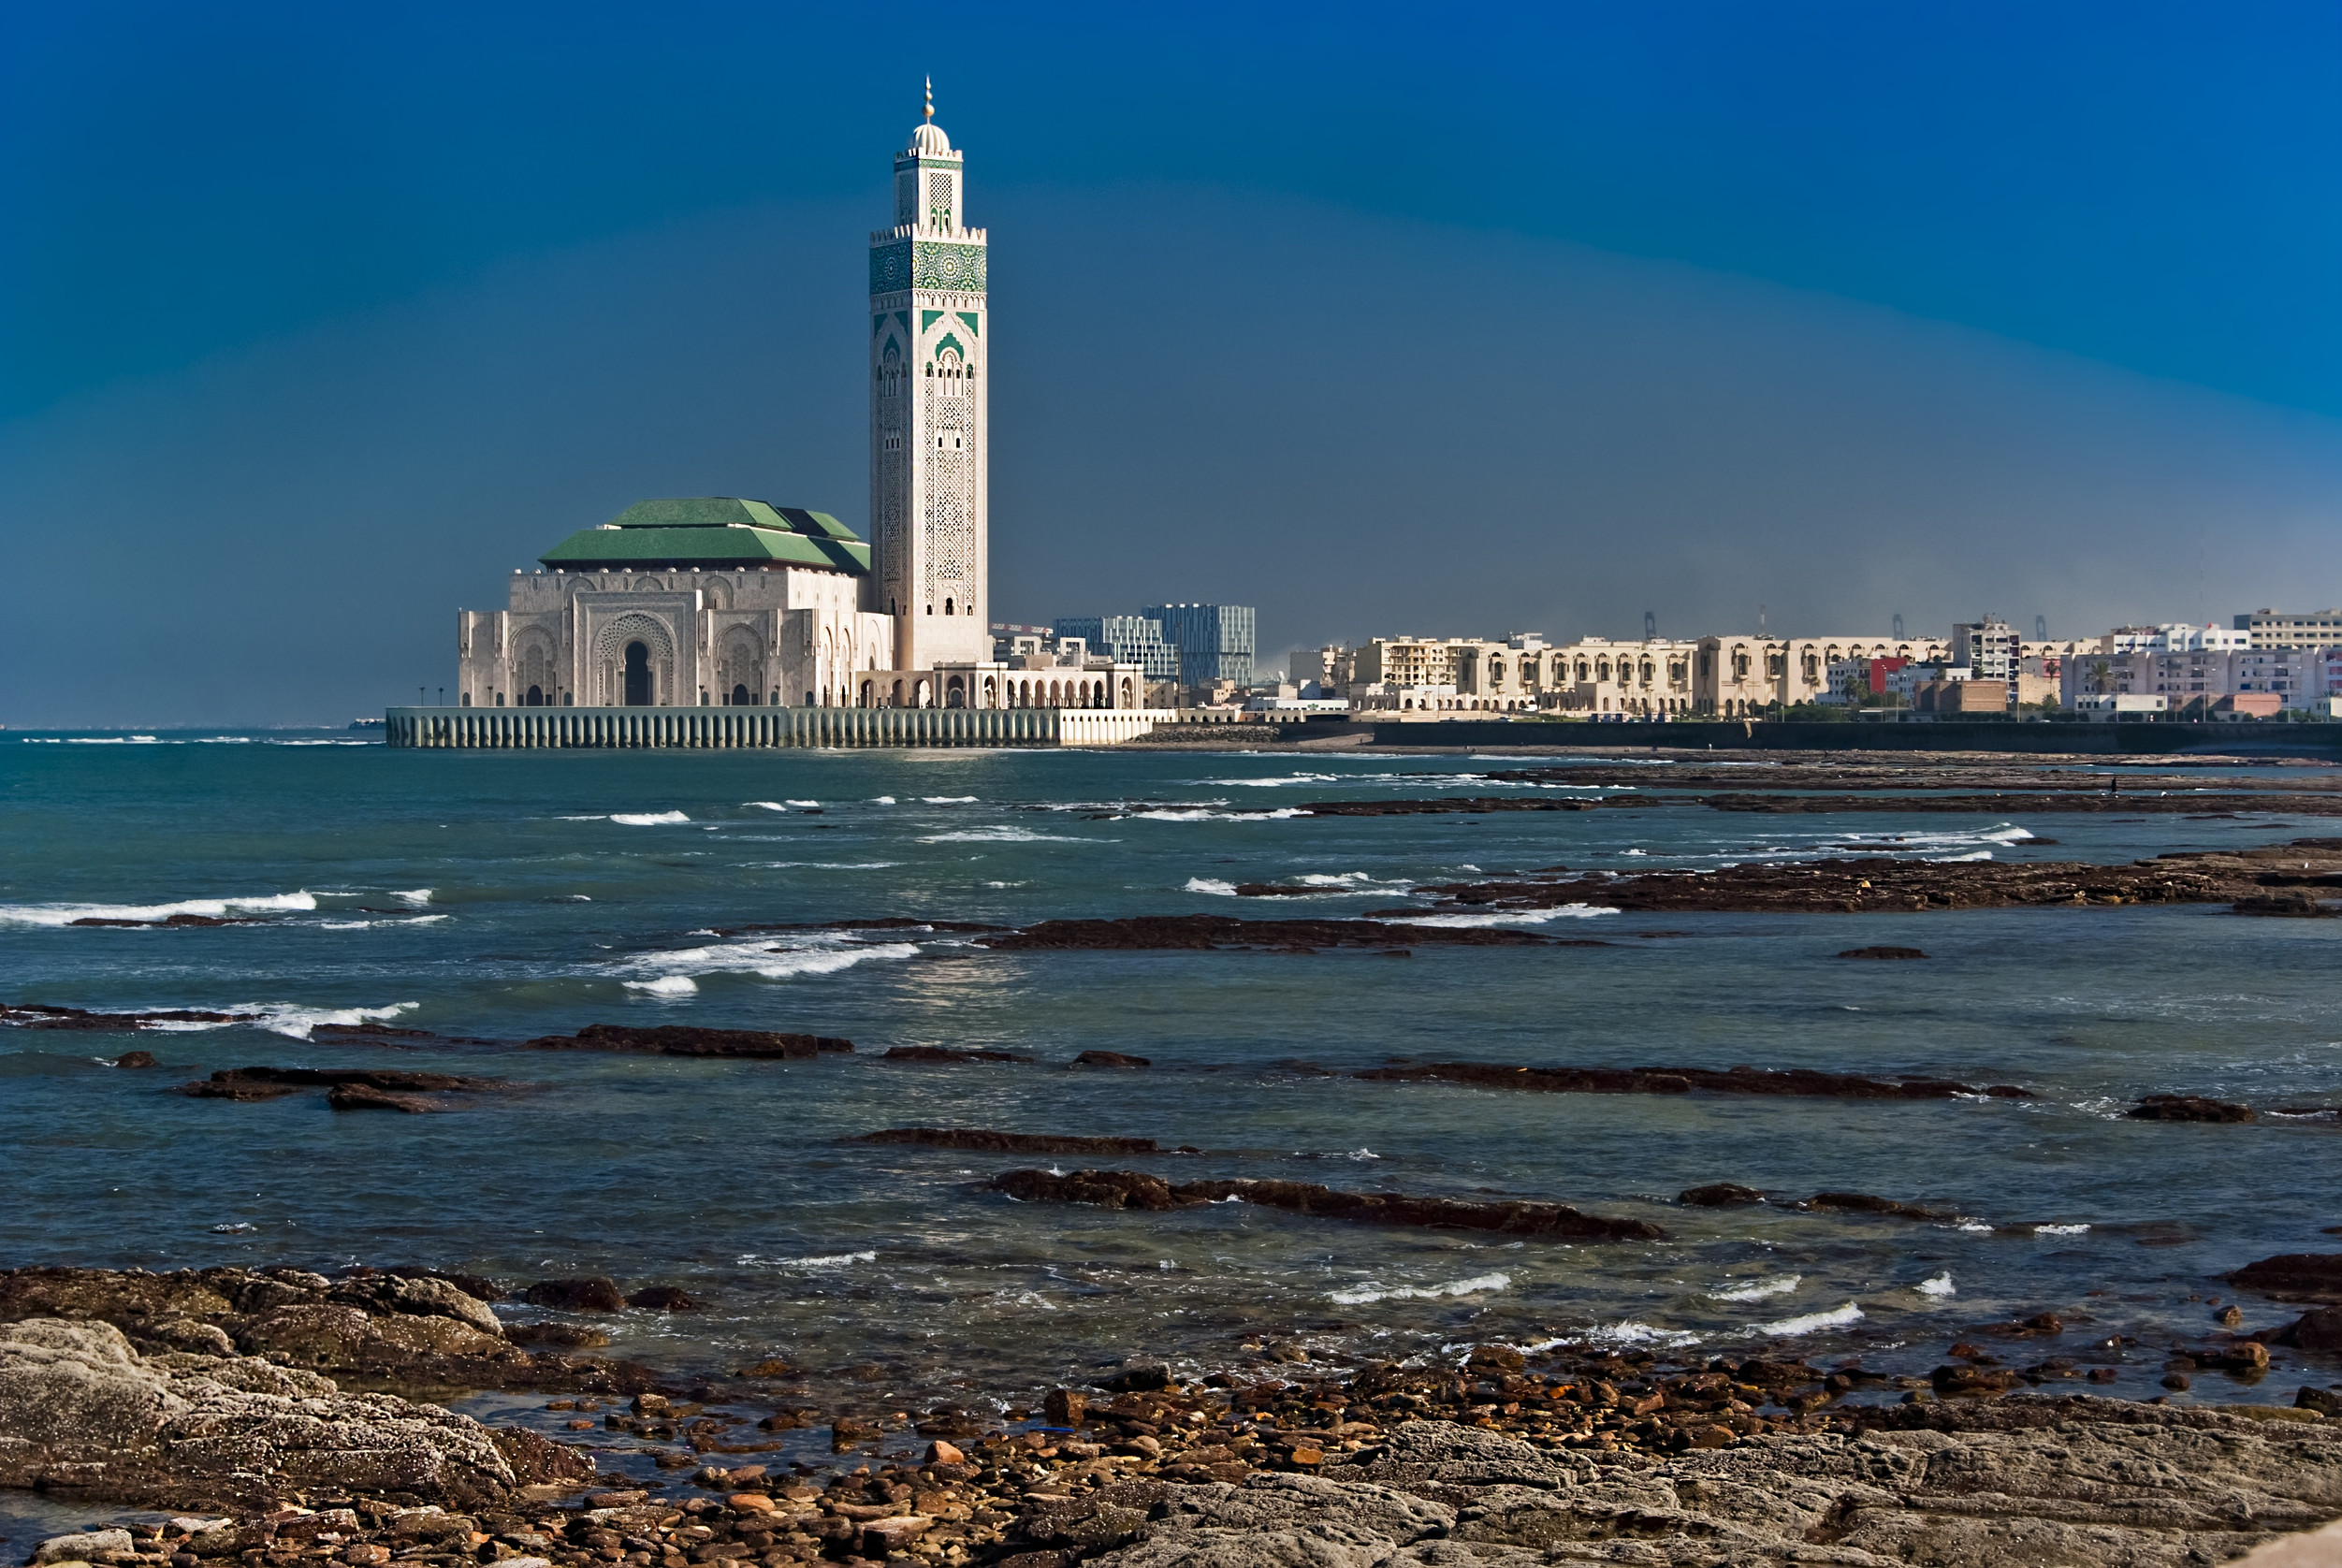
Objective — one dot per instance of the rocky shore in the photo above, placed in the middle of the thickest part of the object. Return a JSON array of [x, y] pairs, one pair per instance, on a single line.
[[2292, 877], [1492, 1456]]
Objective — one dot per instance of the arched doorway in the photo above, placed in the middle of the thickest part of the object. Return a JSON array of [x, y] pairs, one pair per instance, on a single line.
[[537, 697], [639, 693], [739, 694]]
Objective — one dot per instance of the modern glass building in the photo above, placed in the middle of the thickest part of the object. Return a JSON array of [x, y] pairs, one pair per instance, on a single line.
[[1126, 639], [1215, 641]]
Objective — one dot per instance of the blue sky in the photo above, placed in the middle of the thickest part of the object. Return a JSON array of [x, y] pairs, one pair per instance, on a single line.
[[1862, 280]]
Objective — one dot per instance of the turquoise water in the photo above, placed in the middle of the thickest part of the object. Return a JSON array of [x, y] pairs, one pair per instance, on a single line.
[[504, 895]]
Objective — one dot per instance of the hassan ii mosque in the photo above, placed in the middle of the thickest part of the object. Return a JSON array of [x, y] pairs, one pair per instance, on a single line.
[[725, 603]]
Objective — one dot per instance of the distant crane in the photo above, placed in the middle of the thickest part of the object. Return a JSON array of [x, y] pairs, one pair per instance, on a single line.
[[1650, 626], [1899, 626]]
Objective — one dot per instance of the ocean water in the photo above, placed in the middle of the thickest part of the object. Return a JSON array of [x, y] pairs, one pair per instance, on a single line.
[[506, 895]]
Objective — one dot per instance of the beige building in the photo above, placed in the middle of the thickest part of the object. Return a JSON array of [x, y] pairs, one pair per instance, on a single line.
[[1740, 676]]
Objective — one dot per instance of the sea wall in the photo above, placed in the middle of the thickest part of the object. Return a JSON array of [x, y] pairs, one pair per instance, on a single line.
[[745, 728]]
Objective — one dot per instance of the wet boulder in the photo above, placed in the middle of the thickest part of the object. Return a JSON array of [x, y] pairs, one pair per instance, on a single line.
[[588, 1293], [2315, 1276], [2187, 1108], [1719, 1195]]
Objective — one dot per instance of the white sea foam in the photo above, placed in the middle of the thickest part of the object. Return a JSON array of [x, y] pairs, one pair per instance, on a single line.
[[1203, 814], [367, 924], [1359, 1296], [648, 819], [804, 804], [1954, 859], [763, 805], [1757, 1290], [949, 800], [283, 1018], [657, 972], [1629, 1331], [824, 1260], [1212, 885], [1976, 1228], [1289, 778], [1517, 917], [882, 800], [1789, 1328], [1006, 834], [417, 896], [232, 904], [235, 1229], [2060, 1230], [1940, 1285]]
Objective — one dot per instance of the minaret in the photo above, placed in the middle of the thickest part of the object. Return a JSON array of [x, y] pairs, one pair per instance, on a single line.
[[929, 474]]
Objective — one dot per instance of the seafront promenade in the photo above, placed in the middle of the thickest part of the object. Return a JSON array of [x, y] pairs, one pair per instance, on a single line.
[[755, 727]]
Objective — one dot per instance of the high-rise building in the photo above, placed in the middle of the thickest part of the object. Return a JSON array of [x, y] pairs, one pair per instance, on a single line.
[[1215, 641], [928, 424], [1990, 649], [1124, 639]]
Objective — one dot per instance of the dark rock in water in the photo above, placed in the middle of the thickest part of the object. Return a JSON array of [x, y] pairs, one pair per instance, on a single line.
[[2315, 1276], [560, 1336], [33, 1016], [372, 1078], [1974, 1380], [1135, 1189], [947, 1053], [662, 1298], [1138, 1380], [1800, 1081], [592, 1293], [1276, 890], [1110, 1059], [360, 1096], [1471, 806], [218, 1089], [1864, 1203], [2296, 903], [1009, 1142], [2320, 1328], [2325, 1402], [2187, 1108], [134, 1059], [1064, 1407], [1882, 952], [1104, 1189], [1231, 934], [1720, 1195], [686, 1039]]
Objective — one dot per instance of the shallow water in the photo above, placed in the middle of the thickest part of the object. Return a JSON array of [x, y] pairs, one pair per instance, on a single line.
[[505, 895]]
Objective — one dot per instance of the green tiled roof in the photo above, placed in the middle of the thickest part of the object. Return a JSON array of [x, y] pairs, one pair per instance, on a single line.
[[718, 532]]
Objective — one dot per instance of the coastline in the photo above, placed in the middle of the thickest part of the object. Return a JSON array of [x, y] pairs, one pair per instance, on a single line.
[[1498, 1454]]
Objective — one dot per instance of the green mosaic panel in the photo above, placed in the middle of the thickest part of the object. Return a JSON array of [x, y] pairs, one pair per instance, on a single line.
[[926, 264]]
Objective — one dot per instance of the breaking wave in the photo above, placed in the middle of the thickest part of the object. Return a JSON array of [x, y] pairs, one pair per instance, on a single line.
[[1517, 917], [676, 973], [1757, 1290], [1789, 1328], [65, 914], [1005, 834], [1359, 1296], [1212, 885]]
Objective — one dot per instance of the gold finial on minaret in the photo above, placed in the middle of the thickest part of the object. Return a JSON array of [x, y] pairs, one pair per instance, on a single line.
[[931, 98]]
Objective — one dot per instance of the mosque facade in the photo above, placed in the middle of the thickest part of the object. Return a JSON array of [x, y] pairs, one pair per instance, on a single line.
[[724, 601]]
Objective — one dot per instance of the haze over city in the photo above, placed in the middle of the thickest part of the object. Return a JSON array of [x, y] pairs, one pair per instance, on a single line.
[[316, 326]]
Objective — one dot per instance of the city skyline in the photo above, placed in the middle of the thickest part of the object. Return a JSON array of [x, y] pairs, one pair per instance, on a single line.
[[1740, 387]]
